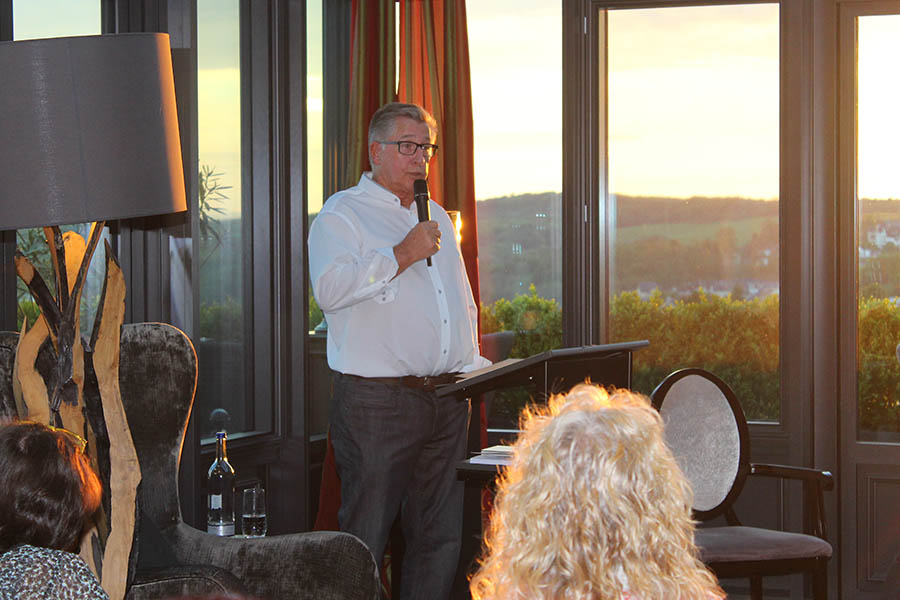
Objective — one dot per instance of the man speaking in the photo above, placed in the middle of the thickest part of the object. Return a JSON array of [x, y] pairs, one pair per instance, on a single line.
[[397, 327]]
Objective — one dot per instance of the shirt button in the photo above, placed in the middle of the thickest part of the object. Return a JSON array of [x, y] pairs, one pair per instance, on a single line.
[[445, 352], [445, 321], [440, 291]]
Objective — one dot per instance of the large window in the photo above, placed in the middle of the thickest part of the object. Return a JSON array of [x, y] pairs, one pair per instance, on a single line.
[[692, 168], [517, 113], [878, 198], [33, 19], [320, 376], [245, 254], [224, 401]]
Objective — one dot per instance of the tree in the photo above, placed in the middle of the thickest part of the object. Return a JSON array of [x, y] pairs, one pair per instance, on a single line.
[[212, 197]]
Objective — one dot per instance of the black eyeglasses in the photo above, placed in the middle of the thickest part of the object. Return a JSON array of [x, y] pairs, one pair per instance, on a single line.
[[409, 148]]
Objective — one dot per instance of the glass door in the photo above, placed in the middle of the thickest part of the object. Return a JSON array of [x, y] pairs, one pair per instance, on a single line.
[[223, 399], [869, 198], [691, 158]]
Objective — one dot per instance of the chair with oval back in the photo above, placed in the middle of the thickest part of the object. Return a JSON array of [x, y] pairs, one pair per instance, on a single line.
[[708, 434]]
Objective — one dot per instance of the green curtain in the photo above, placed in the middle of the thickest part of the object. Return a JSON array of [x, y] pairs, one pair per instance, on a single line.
[[372, 77]]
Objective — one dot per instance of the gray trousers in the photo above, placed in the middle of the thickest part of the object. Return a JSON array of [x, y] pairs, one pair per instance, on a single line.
[[396, 449]]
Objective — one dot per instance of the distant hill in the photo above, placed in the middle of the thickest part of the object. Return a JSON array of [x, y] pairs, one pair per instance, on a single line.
[[520, 244], [673, 244], [641, 210]]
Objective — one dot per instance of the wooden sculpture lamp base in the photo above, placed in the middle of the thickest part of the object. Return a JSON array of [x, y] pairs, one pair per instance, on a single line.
[[89, 406]]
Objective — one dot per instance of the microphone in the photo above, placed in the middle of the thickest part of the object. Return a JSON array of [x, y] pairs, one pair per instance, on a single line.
[[420, 195]]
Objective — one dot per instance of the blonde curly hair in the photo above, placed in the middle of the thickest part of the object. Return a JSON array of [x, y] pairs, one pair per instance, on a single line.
[[592, 506]]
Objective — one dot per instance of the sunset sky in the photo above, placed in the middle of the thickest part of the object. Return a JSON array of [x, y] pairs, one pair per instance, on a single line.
[[693, 96], [55, 18], [693, 102], [689, 113], [879, 120]]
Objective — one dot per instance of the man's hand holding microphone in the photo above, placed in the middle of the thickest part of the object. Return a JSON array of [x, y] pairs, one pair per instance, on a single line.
[[424, 239]]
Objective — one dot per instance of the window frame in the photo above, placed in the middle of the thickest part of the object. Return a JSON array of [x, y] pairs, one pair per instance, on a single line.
[[588, 212], [849, 218]]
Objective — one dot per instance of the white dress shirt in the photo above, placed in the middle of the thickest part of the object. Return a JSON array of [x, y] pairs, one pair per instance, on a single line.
[[423, 322]]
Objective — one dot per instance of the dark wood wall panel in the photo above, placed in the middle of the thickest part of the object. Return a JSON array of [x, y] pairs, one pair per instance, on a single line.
[[7, 281], [878, 518], [7, 238], [6, 24]]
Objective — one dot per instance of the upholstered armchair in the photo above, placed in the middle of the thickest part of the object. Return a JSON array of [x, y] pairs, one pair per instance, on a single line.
[[157, 378]]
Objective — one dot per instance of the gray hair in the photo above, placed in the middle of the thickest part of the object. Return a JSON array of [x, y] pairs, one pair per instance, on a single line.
[[383, 120]]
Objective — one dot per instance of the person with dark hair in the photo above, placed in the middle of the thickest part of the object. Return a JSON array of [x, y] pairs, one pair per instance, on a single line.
[[47, 490], [397, 327]]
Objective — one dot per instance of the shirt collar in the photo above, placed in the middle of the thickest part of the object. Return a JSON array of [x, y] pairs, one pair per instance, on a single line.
[[371, 187]]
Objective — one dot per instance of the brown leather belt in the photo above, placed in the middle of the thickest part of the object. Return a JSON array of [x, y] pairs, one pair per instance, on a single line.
[[427, 383]]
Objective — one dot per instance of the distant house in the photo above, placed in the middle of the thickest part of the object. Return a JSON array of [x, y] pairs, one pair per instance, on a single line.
[[884, 233], [646, 288]]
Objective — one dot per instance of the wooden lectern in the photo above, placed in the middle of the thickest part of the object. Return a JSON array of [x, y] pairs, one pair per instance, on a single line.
[[550, 372]]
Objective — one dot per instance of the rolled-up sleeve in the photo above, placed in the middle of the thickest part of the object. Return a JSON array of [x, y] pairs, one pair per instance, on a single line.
[[342, 272]]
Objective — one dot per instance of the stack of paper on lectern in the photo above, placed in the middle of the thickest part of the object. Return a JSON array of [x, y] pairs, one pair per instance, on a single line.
[[493, 455]]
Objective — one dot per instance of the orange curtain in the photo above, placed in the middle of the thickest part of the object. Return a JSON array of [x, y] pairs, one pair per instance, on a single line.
[[372, 84], [434, 73]]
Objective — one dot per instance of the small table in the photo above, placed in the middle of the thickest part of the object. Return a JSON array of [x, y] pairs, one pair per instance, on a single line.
[[477, 478], [467, 471]]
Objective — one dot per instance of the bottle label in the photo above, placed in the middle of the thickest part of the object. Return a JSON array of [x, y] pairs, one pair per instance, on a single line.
[[223, 529], [215, 500]]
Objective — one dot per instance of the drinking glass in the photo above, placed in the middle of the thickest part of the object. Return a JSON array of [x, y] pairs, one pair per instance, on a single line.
[[253, 515]]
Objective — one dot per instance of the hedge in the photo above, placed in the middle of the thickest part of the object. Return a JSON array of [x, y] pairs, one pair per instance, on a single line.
[[734, 338]]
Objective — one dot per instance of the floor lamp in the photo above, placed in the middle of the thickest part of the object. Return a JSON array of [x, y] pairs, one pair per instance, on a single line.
[[88, 132]]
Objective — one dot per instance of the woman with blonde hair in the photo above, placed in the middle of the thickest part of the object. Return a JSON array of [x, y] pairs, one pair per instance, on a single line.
[[593, 506]]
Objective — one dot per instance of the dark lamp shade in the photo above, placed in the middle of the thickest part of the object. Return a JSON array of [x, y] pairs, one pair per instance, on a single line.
[[88, 130]]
